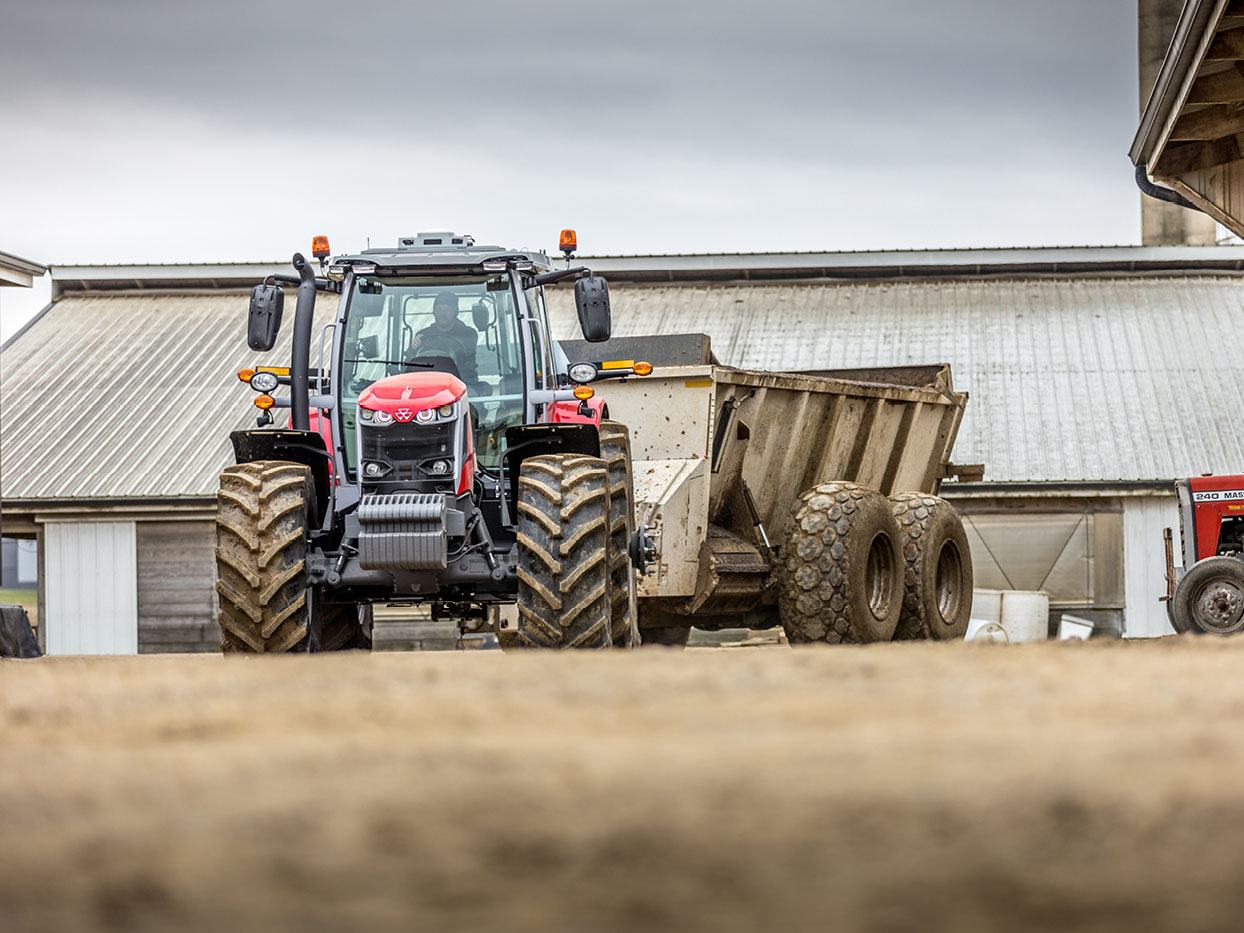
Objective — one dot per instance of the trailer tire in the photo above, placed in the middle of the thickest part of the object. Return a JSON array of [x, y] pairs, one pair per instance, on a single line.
[[262, 512], [615, 450], [1209, 600], [937, 577], [672, 636], [563, 553], [841, 574]]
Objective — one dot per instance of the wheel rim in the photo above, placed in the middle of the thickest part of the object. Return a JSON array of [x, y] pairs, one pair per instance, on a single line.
[[948, 576], [1219, 605], [880, 576]]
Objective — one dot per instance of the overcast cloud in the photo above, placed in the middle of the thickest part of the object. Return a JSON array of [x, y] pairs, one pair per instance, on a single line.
[[137, 130]]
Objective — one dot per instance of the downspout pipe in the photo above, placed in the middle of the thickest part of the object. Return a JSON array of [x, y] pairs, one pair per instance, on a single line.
[[1159, 193], [300, 354]]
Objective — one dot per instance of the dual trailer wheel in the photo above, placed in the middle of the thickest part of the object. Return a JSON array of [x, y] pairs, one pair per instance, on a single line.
[[858, 567]]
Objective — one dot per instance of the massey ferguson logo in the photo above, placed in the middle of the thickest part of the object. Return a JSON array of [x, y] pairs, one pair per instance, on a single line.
[[403, 414]]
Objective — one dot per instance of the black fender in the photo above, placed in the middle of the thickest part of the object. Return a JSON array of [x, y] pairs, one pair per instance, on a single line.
[[534, 440], [305, 447]]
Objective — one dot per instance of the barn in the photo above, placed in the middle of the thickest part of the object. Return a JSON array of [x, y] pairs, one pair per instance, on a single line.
[[1088, 399]]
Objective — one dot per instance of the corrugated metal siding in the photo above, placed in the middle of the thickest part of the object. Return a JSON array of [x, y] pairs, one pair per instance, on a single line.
[[91, 603], [129, 396], [1071, 379], [1144, 561], [176, 587]]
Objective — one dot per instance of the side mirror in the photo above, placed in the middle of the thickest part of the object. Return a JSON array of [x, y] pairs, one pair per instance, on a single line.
[[263, 322], [591, 298]]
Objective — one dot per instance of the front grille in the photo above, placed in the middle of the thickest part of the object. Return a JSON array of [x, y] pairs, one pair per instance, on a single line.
[[407, 450]]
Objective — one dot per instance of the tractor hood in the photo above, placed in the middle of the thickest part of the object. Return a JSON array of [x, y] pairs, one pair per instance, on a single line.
[[405, 395]]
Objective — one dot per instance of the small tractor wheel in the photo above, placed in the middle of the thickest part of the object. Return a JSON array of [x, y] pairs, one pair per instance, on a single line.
[[674, 636], [262, 513], [615, 450], [563, 553], [937, 591], [345, 627], [841, 573], [1209, 600]]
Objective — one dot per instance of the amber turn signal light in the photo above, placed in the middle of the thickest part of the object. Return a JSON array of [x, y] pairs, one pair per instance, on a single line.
[[583, 393], [568, 242], [319, 247], [264, 401], [245, 375], [643, 369]]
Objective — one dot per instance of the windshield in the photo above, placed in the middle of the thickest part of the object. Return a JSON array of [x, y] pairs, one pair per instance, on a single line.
[[462, 325]]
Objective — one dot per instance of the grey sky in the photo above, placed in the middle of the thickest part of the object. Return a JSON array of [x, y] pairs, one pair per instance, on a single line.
[[138, 130]]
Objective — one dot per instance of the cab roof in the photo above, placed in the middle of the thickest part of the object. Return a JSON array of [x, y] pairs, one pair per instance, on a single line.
[[443, 250]]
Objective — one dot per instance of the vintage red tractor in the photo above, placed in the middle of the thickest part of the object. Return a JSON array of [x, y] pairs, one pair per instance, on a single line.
[[1206, 594]]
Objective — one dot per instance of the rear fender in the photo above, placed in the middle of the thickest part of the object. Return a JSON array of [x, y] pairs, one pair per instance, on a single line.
[[306, 447], [572, 412]]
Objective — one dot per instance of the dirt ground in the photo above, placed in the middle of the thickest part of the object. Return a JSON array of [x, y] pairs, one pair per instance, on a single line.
[[889, 788]]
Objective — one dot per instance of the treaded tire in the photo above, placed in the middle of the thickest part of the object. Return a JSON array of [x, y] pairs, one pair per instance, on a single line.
[[841, 578], [1209, 600], [563, 553], [261, 549], [937, 575], [342, 630], [674, 636], [615, 450]]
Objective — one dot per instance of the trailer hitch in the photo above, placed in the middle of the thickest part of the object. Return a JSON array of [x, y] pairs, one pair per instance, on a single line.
[[643, 549]]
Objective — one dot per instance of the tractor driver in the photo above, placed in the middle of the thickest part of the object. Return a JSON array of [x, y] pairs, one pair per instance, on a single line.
[[448, 336]]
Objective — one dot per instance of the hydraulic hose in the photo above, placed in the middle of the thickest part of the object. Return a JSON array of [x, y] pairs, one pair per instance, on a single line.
[[300, 355]]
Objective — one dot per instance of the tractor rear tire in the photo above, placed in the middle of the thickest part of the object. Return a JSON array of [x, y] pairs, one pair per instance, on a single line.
[[841, 574], [615, 450], [262, 512], [674, 636], [563, 553], [1209, 600], [937, 590], [344, 628]]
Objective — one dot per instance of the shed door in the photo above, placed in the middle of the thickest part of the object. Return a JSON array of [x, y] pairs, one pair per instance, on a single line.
[[90, 588]]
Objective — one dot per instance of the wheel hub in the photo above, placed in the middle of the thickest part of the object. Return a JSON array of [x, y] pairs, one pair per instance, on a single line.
[[1220, 605]]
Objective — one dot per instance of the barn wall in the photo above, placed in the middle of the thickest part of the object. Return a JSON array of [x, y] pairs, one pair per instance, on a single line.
[[1144, 559], [176, 587], [89, 592]]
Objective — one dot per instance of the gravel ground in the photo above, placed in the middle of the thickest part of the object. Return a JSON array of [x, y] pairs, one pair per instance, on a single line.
[[888, 788]]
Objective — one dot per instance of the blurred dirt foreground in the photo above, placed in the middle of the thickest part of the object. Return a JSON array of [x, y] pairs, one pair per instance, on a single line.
[[897, 787]]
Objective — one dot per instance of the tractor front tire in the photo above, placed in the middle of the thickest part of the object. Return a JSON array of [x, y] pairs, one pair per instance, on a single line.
[[841, 574], [262, 512], [563, 553], [615, 450], [1209, 600], [937, 585]]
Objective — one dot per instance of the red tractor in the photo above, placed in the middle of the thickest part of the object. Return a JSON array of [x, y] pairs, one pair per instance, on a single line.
[[465, 466], [1206, 594]]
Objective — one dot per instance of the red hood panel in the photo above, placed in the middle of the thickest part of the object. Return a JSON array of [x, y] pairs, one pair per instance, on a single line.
[[413, 391]]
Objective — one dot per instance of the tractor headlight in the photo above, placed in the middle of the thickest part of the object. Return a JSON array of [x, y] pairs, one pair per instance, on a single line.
[[383, 417], [264, 381], [582, 372], [425, 416], [441, 467], [445, 411]]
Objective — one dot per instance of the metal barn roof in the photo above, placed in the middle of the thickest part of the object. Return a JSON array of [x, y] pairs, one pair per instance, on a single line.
[[1089, 378], [1071, 379]]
